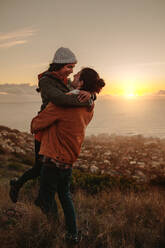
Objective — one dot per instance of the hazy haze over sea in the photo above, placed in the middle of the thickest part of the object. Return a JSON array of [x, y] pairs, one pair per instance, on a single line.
[[112, 115]]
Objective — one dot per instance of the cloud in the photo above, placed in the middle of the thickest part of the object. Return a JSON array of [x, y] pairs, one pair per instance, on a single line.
[[12, 43], [17, 37], [25, 32], [17, 89], [161, 92]]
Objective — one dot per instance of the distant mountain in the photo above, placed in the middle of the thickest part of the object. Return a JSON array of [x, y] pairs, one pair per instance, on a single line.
[[21, 89]]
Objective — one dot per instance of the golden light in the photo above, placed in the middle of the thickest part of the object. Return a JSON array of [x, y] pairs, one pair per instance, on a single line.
[[130, 87], [130, 95], [130, 92]]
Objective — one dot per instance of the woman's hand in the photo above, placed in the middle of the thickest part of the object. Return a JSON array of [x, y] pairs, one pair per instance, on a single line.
[[84, 96]]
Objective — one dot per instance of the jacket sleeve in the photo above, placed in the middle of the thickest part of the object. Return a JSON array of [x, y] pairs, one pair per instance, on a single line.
[[45, 118], [58, 97]]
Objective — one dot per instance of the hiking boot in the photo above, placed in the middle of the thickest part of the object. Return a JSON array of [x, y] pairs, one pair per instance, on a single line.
[[14, 190], [73, 239]]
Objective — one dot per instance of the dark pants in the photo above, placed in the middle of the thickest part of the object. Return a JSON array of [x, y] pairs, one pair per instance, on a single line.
[[53, 180], [33, 172]]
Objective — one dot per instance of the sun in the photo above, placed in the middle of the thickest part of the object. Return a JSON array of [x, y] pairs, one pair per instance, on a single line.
[[130, 86], [130, 95]]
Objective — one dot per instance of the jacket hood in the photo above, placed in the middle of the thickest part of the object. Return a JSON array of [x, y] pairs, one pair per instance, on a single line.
[[41, 75]]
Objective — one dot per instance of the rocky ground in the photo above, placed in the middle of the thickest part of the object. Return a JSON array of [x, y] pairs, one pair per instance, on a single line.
[[142, 159], [16, 152], [136, 157]]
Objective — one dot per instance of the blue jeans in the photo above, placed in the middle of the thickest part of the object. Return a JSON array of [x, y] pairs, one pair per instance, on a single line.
[[54, 180]]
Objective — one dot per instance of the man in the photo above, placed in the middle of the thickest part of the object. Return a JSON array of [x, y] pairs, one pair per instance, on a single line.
[[63, 134]]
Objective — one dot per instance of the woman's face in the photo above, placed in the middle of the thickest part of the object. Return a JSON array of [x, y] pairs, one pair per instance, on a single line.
[[66, 70], [76, 83]]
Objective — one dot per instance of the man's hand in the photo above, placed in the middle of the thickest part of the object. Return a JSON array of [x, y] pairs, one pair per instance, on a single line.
[[84, 96]]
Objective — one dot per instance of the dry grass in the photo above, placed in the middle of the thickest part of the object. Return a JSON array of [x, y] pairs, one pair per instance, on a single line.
[[115, 219], [133, 217]]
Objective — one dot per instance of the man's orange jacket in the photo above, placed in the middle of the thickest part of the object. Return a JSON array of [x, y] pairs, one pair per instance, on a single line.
[[63, 131]]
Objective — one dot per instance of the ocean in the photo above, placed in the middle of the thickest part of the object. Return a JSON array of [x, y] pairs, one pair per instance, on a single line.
[[112, 115]]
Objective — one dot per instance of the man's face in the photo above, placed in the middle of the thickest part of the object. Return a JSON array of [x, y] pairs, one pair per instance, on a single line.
[[76, 83], [66, 70]]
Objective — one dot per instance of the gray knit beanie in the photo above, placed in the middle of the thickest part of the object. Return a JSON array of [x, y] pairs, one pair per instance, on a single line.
[[64, 56]]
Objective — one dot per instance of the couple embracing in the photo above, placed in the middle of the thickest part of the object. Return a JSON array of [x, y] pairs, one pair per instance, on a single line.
[[59, 130]]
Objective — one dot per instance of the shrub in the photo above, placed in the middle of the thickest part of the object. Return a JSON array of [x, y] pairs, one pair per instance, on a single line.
[[15, 166], [25, 158], [93, 183]]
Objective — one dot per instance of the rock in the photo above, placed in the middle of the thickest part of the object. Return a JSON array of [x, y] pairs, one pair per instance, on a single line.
[[98, 147], [107, 153], [140, 174], [83, 167], [20, 151], [132, 162], [140, 177], [94, 169], [15, 144], [141, 164], [155, 164], [106, 161], [150, 142]]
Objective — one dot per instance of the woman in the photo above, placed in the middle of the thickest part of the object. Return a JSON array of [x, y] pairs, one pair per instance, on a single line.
[[64, 131], [53, 86]]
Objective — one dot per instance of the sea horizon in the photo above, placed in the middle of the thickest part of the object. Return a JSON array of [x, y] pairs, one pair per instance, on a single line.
[[119, 116]]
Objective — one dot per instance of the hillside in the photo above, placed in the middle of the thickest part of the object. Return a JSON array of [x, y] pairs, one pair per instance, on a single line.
[[114, 209], [138, 158]]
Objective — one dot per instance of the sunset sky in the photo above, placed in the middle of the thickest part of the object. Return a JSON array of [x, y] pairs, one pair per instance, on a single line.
[[124, 40]]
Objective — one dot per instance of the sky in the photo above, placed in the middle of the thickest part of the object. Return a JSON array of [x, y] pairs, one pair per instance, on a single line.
[[123, 40]]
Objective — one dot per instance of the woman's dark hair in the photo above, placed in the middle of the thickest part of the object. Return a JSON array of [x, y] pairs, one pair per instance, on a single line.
[[55, 67], [91, 80]]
